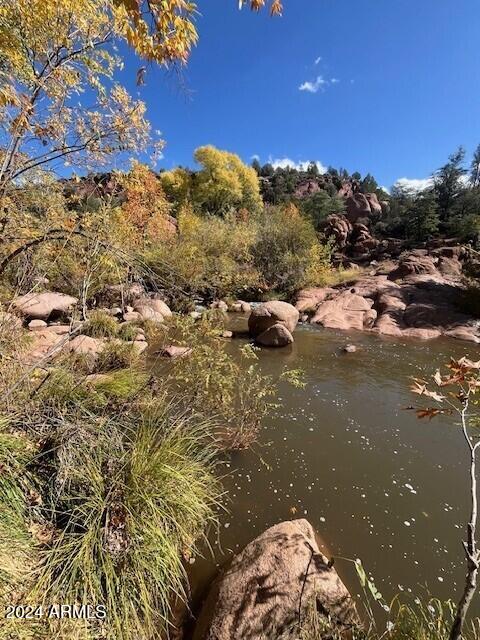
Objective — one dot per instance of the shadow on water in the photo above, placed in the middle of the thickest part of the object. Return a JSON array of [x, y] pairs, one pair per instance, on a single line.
[[343, 452]]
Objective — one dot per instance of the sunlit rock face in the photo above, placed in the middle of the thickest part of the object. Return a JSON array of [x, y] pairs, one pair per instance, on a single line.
[[276, 575]]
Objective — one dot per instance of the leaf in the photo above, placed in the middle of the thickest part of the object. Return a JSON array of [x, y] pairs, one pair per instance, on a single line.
[[428, 413], [362, 576]]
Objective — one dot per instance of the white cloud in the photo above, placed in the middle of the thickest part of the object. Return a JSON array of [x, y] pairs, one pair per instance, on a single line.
[[320, 83], [255, 157], [313, 86], [301, 165], [413, 185], [318, 60]]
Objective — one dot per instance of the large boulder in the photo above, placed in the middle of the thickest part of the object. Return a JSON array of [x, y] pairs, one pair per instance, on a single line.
[[152, 309], [275, 336], [260, 593], [339, 228], [309, 299], [270, 313], [346, 311], [44, 306], [358, 207], [414, 264]]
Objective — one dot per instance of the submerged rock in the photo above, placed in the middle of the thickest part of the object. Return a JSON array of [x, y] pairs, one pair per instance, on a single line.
[[173, 351], [260, 593]]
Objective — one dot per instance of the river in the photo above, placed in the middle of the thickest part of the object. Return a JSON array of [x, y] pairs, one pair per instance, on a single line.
[[343, 452]]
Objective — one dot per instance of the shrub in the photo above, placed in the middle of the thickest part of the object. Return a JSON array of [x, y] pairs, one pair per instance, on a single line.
[[287, 253], [138, 489], [211, 257], [100, 325], [116, 355]]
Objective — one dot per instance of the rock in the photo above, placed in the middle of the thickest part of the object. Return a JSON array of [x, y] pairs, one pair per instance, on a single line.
[[196, 315], [152, 309], [463, 333], [85, 345], [357, 206], [275, 336], [270, 313], [219, 304], [337, 226], [132, 316], [413, 264], [140, 345], [259, 594], [345, 311], [43, 306], [309, 299], [226, 334], [173, 351], [375, 205], [350, 348], [450, 267], [240, 306], [37, 324]]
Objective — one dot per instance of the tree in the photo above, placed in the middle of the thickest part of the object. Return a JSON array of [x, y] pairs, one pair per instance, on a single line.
[[319, 206], [448, 183], [256, 166], [53, 54], [462, 382], [369, 184], [422, 219], [475, 169], [224, 183], [165, 32]]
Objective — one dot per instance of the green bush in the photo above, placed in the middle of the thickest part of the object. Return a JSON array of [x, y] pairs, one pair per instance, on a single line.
[[139, 489], [100, 324], [287, 253]]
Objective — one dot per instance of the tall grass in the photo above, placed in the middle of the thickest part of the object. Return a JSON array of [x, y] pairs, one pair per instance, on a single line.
[[130, 496]]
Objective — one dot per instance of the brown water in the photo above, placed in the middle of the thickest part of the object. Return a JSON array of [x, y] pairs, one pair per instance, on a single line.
[[375, 482]]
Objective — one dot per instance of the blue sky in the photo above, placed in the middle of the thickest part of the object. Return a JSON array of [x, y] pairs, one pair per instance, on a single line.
[[389, 86]]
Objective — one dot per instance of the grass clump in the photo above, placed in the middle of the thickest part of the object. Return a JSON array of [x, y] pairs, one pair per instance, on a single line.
[[138, 490], [116, 355], [100, 324]]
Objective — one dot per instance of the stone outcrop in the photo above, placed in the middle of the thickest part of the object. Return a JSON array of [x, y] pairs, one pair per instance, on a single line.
[[346, 311], [260, 593], [413, 300], [273, 314], [43, 306]]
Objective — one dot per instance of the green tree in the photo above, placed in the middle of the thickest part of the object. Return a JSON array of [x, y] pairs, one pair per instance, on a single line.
[[321, 205], [448, 183], [422, 220], [475, 168]]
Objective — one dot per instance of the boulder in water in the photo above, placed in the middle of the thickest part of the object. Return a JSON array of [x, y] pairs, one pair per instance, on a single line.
[[265, 586]]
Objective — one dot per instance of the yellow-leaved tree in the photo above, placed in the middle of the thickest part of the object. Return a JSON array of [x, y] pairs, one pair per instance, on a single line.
[[224, 183], [60, 103]]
